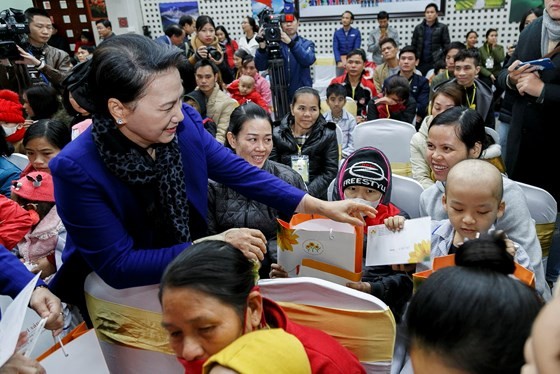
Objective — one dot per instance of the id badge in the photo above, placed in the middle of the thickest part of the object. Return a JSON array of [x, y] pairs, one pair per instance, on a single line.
[[301, 165], [489, 63]]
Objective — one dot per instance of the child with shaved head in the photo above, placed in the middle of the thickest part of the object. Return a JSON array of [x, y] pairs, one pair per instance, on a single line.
[[473, 200]]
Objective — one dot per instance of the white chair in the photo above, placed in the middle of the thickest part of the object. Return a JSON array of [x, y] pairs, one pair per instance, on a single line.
[[543, 209], [359, 321], [390, 136], [405, 194], [19, 159], [127, 323]]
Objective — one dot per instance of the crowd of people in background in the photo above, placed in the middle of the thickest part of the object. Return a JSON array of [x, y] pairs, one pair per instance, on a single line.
[[171, 160]]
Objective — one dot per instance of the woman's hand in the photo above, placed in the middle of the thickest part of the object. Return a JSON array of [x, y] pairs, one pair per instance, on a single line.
[[202, 51], [347, 211], [217, 62], [277, 271], [45, 304], [18, 363], [251, 242]]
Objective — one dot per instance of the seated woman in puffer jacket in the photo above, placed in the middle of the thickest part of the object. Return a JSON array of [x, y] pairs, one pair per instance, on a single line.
[[307, 143], [250, 136]]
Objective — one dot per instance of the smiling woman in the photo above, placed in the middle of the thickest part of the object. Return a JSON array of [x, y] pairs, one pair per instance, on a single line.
[[250, 136]]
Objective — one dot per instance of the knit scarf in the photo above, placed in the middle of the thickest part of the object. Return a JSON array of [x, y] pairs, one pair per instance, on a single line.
[[133, 165], [550, 31]]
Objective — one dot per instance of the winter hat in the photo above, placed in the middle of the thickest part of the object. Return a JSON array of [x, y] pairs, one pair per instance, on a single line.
[[11, 110], [366, 167], [35, 186], [200, 99]]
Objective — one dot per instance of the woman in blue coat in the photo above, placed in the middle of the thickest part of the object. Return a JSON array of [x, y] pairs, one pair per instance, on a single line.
[[132, 189]]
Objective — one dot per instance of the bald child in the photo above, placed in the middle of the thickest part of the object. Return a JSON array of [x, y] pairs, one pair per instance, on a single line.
[[473, 200]]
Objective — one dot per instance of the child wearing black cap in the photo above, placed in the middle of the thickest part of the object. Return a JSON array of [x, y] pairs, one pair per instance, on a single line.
[[366, 176]]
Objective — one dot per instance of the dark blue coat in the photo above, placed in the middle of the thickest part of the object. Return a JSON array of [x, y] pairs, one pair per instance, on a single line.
[[108, 231]]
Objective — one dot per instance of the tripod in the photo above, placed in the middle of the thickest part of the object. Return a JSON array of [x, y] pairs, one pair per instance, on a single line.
[[278, 85]]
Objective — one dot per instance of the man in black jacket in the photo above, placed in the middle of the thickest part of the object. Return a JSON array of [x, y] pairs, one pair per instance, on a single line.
[[430, 38]]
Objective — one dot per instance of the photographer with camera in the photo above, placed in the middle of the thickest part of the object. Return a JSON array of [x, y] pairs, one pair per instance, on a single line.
[[297, 52], [38, 62], [205, 45]]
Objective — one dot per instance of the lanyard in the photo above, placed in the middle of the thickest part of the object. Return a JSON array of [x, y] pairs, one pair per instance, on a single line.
[[471, 103]]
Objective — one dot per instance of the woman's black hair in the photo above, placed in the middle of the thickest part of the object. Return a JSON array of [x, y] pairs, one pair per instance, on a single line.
[[89, 48], [306, 90], [241, 115], [6, 148], [201, 21], [43, 100], [253, 23], [241, 53], [56, 132], [474, 316], [247, 59], [214, 268], [536, 11], [223, 29], [469, 126], [471, 32], [489, 31], [123, 66]]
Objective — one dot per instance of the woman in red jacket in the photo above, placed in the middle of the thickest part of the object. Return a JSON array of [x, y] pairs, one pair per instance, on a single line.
[[209, 299]]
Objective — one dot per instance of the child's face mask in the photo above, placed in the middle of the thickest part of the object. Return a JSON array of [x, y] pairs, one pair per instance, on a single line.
[[373, 204], [9, 130]]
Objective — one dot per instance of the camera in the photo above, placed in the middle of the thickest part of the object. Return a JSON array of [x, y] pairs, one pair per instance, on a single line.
[[13, 30], [272, 33], [214, 53]]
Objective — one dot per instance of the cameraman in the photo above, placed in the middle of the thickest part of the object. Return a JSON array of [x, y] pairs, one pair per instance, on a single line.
[[298, 54], [40, 63]]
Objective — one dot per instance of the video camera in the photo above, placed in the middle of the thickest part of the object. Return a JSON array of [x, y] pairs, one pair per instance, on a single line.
[[13, 31], [271, 22]]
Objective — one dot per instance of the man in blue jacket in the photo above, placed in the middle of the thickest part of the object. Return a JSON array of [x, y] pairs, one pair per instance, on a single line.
[[345, 39], [298, 54]]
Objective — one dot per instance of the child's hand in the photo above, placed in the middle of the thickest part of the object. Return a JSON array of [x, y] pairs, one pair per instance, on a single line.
[[395, 223], [404, 268], [360, 286], [511, 247], [277, 271]]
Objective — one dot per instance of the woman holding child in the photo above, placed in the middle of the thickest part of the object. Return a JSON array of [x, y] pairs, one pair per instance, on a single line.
[[458, 134]]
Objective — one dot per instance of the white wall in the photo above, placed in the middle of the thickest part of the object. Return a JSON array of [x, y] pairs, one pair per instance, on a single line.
[[16, 4]]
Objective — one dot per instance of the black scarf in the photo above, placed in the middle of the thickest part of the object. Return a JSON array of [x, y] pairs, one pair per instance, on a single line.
[[166, 201]]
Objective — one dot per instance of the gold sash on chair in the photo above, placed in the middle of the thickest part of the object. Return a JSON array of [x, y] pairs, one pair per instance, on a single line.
[[369, 334], [128, 326]]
